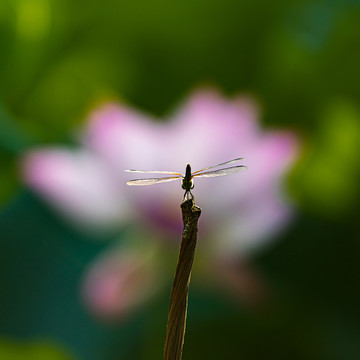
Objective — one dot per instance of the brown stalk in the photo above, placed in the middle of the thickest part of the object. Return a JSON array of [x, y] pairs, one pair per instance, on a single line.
[[175, 329]]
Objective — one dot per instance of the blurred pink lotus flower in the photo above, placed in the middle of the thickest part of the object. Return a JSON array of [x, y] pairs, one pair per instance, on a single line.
[[240, 212]]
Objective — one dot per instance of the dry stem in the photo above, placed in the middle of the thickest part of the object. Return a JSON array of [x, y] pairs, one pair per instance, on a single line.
[[175, 330]]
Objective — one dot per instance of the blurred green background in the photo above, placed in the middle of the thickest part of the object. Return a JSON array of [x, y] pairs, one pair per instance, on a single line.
[[59, 58]]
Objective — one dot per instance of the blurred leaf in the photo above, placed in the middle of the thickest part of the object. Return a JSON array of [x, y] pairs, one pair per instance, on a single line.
[[34, 350], [77, 81], [327, 178], [13, 138], [8, 178]]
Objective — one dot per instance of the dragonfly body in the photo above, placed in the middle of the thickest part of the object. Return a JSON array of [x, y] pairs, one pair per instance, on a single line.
[[187, 179]]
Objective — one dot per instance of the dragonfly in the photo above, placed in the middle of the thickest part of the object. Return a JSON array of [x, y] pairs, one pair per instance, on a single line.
[[187, 179]]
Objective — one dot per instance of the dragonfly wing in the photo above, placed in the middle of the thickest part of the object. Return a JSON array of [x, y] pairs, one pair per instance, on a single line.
[[214, 166], [154, 172], [222, 172], [152, 181]]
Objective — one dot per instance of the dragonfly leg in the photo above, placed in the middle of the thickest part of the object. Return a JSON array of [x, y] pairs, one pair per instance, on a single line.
[[188, 195], [185, 196], [192, 196]]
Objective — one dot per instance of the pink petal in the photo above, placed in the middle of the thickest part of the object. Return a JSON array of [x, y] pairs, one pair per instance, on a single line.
[[211, 130], [257, 219], [119, 282], [77, 183], [125, 138]]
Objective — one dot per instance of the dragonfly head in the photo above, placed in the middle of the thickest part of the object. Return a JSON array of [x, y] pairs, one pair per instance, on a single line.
[[187, 185]]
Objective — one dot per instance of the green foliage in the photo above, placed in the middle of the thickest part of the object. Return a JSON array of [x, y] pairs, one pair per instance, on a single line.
[[13, 140], [31, 350], [327, 178]]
